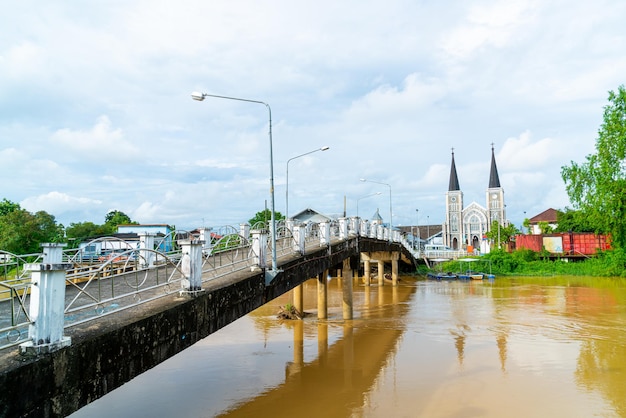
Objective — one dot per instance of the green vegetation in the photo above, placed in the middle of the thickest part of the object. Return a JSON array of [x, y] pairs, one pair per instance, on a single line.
[[22, 232], [598, 187], [530, 263], [264, 217]]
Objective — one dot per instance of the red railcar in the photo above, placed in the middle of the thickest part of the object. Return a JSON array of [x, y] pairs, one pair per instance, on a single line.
[[567, 243]]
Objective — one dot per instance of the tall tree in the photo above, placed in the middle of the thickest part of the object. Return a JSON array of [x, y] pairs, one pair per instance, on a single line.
[[115, 218], [6, 206], [22, 232], [598, 186], [265, 217]]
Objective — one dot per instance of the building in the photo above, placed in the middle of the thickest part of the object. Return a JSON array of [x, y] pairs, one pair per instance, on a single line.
[[465, 226], [548, 216]]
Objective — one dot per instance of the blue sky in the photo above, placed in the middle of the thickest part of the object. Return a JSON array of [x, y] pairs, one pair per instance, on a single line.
[[96, 112]]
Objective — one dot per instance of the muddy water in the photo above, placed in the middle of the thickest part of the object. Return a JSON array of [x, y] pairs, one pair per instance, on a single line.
[[506, 348]]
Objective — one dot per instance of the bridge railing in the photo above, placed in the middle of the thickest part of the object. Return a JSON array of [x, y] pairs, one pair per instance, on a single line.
[[122, 276]]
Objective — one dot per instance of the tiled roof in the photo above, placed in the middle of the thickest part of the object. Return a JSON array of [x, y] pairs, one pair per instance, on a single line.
[[548, 215]]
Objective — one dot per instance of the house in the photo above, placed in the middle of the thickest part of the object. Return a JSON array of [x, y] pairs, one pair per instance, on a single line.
[[548, 215], [309, 215]]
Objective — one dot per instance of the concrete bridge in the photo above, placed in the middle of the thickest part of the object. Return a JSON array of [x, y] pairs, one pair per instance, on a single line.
[[74, 331]]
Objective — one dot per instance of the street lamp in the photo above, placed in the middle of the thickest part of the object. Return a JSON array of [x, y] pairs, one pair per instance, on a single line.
[[363, 197], [390, 212], [200, 97], [324, 148], [417, 220]]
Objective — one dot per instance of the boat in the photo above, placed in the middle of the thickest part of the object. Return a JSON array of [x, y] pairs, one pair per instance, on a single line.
[[469, 274], [441, 276]]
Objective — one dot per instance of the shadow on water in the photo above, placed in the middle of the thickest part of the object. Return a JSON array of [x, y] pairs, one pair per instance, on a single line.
[[336, 381]]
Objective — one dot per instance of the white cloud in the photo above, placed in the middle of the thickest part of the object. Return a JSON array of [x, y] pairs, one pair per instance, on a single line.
[[101, 142]]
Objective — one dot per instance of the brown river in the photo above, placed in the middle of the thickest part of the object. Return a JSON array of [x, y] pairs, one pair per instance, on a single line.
[[510, 347]]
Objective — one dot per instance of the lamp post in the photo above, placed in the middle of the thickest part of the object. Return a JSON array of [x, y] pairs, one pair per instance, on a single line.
[[417, 221], [324, 148], [200, 97], [363, 197], [390, 211]]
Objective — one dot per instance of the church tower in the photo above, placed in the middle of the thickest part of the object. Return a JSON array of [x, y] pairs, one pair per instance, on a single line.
[[495, 195], [453, 230]]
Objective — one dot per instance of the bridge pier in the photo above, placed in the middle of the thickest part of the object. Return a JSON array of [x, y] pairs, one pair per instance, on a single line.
[[367, 272], [298, 298], [322, 295], [347, 290]]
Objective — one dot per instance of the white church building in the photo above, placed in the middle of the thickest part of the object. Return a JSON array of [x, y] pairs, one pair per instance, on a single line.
[[465, 226]]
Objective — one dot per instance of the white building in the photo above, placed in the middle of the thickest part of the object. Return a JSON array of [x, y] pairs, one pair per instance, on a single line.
[[467, 225]]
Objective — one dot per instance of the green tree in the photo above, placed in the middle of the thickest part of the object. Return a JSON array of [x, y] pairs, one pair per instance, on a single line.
[[22, 232], [6, 206], [598, 186], [115, 218], [572, 221], [265, 217], [83, 230], [500, 234]]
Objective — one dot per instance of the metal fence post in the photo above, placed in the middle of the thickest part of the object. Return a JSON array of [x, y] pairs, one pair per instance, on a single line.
[[47, 303]]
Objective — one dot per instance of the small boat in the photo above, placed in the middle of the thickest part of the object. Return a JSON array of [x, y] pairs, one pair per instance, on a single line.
[[441, 276], [477, 276]]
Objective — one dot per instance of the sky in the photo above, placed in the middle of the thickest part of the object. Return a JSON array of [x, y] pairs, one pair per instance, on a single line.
[[96, 111]]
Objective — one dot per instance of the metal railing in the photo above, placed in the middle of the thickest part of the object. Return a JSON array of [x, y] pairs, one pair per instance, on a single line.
[[122, 276]]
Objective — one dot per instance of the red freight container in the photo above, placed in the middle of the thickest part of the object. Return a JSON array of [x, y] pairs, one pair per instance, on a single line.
[[575, 243]]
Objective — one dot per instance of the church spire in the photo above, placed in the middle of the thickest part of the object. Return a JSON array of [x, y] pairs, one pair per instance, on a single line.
[[494, 179], [454, 180]]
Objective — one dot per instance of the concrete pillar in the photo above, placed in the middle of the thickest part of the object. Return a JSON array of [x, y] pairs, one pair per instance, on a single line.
[[146, 247], [205, 236], [299, 232], [47, 303], [244, 230], [394, 268], [347, 290], [373, 231], [381, 273], [191, 266], [259, 247], [289, 224], [324, 234], [322, 295], [298, 298], [343, 228], [367, 272]]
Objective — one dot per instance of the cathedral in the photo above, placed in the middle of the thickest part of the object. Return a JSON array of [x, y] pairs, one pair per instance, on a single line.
[[465, 226]]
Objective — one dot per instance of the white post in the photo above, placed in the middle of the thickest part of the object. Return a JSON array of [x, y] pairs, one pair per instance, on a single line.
[[205, 236], [373, 230], [146, 247], [47, 303], [380, 232], [324, 234], [364, 228], [191, 265], [343, 228], [298, 238], [259, 247], [244, 230]]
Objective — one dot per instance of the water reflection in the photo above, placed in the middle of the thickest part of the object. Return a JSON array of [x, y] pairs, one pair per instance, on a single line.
[[511, 347]]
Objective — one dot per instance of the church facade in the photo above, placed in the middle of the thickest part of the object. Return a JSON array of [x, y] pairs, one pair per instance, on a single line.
[[465, 226]]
